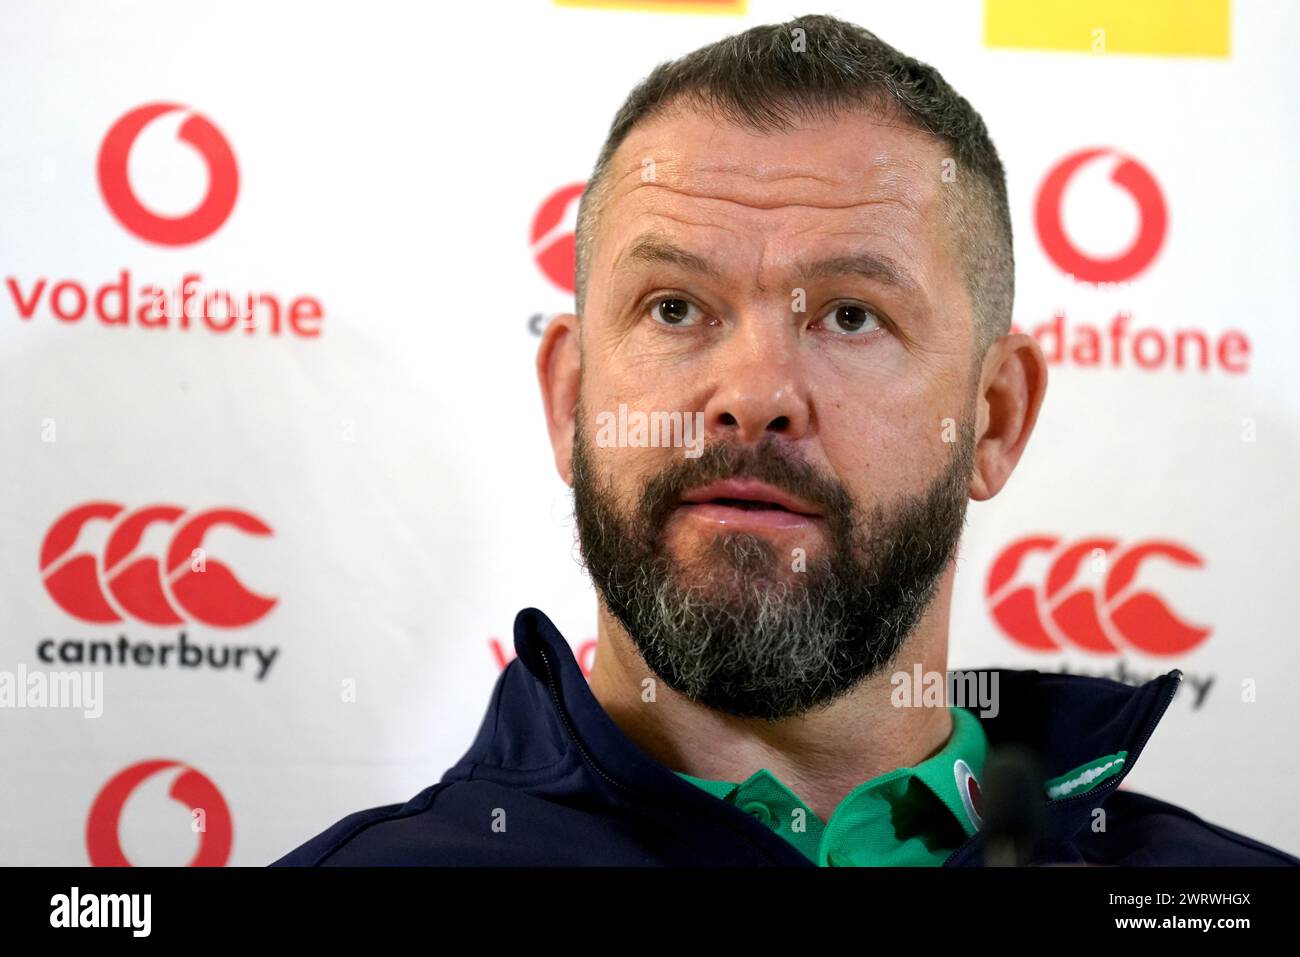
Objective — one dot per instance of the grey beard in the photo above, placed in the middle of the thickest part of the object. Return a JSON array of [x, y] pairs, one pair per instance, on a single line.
[[734, 630]]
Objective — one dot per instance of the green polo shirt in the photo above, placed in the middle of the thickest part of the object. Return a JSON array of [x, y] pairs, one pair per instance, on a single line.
[[915, 816]]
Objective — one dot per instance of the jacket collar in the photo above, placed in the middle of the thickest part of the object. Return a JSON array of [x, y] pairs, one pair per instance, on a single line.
[[1073, 724], [1068, 720]]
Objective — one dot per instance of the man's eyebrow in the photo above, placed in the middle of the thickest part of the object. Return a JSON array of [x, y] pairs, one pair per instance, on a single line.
[[652, 248], [867, 265]]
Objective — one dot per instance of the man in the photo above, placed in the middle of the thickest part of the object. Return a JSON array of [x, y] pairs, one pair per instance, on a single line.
[[797, 240]]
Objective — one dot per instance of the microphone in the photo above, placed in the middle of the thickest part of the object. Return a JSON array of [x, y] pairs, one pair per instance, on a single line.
[[1015, 818]]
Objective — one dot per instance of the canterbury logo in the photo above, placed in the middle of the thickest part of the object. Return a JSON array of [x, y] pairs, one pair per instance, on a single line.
[[1062, 613], [104, 588], [552, 239]]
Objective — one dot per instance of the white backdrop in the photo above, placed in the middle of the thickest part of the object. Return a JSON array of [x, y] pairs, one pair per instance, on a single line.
[[390, 162]]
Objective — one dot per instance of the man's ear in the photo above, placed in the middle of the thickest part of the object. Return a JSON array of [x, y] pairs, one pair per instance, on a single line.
[[559, 362], [1012, 385]]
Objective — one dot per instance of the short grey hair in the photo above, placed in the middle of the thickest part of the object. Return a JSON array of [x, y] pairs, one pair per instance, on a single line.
[[763, 78]]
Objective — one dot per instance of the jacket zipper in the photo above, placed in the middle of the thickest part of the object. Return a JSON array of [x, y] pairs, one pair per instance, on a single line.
[[564, 716], [1110, 786]]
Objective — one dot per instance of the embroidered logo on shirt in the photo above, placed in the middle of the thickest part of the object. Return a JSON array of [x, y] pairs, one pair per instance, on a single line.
[[1087, 776], [969, 789]]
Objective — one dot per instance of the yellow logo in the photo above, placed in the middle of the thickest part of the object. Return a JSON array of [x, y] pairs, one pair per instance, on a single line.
[[1153, 27]]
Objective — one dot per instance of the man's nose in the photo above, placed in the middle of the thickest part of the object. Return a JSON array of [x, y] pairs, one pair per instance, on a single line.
[[760, 386]]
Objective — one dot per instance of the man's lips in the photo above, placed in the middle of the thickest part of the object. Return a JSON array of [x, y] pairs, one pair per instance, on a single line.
[[749, 503], [749, 493]]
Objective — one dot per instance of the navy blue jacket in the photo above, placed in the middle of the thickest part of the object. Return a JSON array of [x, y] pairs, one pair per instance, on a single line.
[[570, 788]]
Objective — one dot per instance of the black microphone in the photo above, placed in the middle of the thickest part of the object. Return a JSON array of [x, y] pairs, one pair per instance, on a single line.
[[1015, 818]]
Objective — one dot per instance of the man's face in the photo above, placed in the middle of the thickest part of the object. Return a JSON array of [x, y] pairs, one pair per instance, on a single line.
[[801, 290]]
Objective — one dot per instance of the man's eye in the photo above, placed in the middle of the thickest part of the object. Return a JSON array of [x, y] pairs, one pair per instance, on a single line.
[[851, 320], [674, 312]]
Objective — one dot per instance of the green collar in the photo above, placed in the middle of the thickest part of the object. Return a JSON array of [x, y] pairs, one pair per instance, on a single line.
[[910, 816]]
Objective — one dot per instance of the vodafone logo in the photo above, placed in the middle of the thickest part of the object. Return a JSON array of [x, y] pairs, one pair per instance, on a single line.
[[115, 184], [210, 816], [123, 583], [552, 239], [1059, 613], [128, 300], [1130, 176]]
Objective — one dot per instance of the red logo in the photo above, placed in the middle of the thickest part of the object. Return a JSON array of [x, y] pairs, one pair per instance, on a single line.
[[191, 788], [223, 178], [107, 588], [552, 239], [1058, 614], [1129, 175]]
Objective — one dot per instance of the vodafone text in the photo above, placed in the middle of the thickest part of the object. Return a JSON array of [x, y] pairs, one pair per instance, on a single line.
[[154, 306], [102, 910], [1149, 349]]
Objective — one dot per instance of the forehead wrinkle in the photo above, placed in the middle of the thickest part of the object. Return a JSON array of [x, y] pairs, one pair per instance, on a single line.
[[900, 201], [656, 244], [882, 170], [873, 266]]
